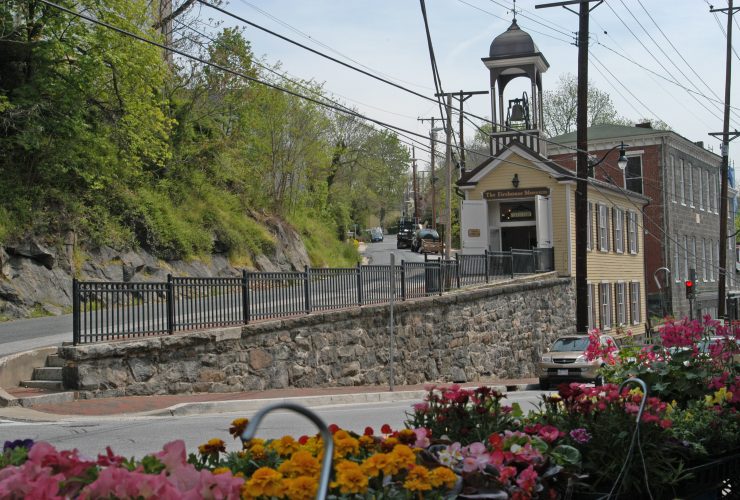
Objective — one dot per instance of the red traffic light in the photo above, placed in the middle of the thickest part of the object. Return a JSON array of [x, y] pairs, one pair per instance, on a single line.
[[689, 283]]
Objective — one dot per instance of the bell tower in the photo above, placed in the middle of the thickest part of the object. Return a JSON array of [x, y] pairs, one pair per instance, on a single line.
[[513, 54]]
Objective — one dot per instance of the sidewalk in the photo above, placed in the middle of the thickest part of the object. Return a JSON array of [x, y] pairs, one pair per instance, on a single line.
[[190, 404]]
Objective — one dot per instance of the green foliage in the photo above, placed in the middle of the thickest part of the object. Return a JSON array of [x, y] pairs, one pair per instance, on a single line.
[[99, 135]]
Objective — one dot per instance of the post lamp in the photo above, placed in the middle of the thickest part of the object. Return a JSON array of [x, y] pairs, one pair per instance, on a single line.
[[582, 240]]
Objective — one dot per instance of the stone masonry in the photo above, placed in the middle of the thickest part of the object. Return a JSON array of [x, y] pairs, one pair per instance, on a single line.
[[492, 331]]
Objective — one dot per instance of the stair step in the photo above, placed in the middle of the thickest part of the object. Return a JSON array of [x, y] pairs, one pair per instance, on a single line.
[[52, 385], [53, 360], [51, 398], [47, 373]]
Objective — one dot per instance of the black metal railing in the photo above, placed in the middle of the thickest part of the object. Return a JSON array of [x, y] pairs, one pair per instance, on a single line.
[[109, 311]]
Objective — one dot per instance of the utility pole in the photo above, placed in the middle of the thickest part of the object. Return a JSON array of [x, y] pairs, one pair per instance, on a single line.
[[581, 198], [431, 167], [462, 97], [416, 188], [448, 166], [722, 285]]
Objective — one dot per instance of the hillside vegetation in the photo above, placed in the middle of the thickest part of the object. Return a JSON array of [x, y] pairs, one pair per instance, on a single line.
[[102, 135]]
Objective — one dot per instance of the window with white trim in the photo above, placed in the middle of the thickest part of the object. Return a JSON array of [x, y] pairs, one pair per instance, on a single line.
[[695, 256], [603, 228], [689, 185], [635, 312], [710, 185], [632, 231], [705, 173], [675, 186], [633, 174], [618, 222], [705, 260], [677, 258], [701, 189], [621, 302], [711, 260], [590, 227], [682, 192], [605, 299], [591, 318], [686, 257]]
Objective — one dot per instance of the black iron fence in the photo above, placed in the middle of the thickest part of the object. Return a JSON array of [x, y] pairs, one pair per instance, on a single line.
[[109, 311]]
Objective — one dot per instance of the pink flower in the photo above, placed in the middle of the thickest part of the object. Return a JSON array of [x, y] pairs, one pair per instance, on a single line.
[[549, 433], [527, 479], [422, 438]]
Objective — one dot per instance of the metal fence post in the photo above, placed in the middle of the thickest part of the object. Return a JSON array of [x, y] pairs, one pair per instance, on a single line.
[[359, 284], [439, 275], [245, 297], [306, 288], [457, 269], [487, 264], [403, 279], [170, 298], [75, 311], [511, 254], [534, 262]]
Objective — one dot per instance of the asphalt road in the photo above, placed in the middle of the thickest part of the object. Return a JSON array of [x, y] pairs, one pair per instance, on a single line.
[[137, 436]]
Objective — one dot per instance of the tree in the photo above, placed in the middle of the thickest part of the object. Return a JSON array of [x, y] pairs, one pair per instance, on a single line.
[[560, 107]]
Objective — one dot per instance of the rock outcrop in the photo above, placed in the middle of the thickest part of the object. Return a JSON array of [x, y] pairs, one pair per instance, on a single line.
[[36, 279]]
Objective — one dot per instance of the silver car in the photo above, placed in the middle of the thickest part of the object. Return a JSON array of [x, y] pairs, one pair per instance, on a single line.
[[566, 361]]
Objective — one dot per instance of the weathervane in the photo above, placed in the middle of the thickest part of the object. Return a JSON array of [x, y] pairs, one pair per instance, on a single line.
[[514, 10]]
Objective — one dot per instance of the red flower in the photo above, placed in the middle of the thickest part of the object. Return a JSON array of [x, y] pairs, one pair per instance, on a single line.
[[333, 428], [386, 429], [369, 431]]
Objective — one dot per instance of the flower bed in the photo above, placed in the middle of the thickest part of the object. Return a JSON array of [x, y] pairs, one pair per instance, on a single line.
[[584, 441]]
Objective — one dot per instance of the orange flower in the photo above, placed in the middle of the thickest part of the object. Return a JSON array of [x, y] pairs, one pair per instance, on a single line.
[[367, 442], [407, 436], [442, 476], [258, 452], [301, 488], [345, 446], [350, 478], [213, 446], [375, 464], [388, 444], [418, 479], [402, 457], [302, 463], [285, 446], [238, 426], [264, 482]]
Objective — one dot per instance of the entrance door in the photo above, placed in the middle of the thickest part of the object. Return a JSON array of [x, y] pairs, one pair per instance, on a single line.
[[521, 238]]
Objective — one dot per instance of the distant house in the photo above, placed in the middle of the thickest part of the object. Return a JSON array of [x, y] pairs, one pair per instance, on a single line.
[[681, 179]]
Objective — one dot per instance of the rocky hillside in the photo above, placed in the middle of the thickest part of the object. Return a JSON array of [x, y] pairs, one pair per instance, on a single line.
[[36, 280]]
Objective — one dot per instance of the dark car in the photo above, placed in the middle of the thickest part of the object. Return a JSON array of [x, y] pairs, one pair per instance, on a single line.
[[376, 234], [423, 234], [405, 233]]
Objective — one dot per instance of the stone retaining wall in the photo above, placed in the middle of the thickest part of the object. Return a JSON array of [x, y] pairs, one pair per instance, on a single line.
[[492, 331]]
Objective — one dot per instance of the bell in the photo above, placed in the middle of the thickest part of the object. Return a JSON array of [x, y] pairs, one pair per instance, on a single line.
[[516, 112]]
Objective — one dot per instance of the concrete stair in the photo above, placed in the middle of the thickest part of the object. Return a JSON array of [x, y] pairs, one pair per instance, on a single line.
[[45, 385]]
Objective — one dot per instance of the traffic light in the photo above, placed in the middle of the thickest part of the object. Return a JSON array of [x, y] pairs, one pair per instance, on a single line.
[[690, 289]]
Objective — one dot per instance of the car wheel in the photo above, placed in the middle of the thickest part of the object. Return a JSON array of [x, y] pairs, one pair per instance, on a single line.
[[599, 380], [398, 244], [544, 385]]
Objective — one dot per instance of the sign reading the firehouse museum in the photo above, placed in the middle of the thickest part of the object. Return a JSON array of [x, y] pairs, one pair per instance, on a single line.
[[506, 194]]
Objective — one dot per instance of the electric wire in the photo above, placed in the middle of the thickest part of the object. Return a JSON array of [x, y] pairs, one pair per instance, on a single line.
[[521, 13], [295, 94]]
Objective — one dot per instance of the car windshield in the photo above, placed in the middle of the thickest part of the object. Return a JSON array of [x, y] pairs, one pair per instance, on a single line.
[[428, 233], [568, 344]]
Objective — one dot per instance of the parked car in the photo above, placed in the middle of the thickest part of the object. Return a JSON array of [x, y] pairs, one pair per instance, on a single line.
[[565, 361], [376, 234], [422, 235]]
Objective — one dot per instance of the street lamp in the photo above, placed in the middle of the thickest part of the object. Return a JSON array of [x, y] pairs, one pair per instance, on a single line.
[[621, 161]]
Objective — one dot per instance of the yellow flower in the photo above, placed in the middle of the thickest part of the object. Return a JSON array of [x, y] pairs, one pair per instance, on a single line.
[[375, 464], [350, 478], [302, 463], [314, 445], [253, 442], [258, 452], [367, 442], [442, 476], [418, 479], [213, 446], [720, 396], [402, 457], [285, 446], [345, 446], [221, 470], [301, 488], [238, 426], [264, 482]]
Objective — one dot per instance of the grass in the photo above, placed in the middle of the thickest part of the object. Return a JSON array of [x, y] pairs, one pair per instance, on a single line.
[[323, 248]]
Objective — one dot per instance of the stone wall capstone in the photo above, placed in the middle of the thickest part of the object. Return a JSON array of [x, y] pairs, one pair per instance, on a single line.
[[492, 331]]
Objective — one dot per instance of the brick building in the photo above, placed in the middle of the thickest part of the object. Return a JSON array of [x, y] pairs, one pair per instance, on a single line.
[[681, 222]]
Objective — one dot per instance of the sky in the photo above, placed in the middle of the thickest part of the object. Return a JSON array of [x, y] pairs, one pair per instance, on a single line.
[[645, 59]]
